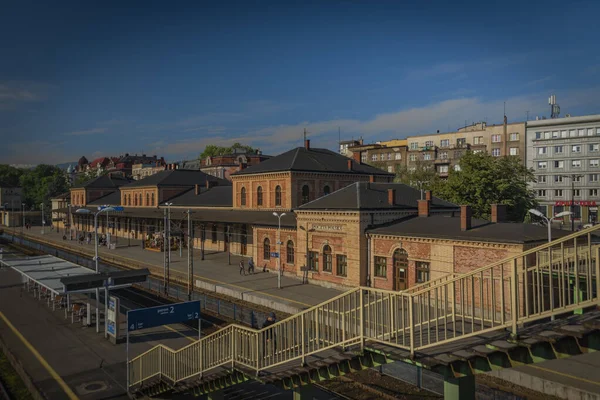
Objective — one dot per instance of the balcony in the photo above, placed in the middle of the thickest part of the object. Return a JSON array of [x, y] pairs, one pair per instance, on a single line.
[[460, 146], [442, 161]]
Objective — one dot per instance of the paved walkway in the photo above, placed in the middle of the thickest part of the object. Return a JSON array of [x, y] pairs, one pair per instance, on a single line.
[[68, 361], [214, 270]]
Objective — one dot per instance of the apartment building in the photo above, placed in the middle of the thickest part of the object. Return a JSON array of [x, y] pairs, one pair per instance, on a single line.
[[388, 156], [565, 156], [443, 151]]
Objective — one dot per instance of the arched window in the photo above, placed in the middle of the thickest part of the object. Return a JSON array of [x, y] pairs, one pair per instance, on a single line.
[[327, 259], [243, 197], [326, 190], [147, 199], [290, 252], [278, 195], [267, 249], [259, 196], [129, 199], [305, 194], [135, 199], [152, 201]]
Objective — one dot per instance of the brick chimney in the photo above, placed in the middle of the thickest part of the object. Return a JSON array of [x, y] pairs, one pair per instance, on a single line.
[[242, 166], [349, 165], [423, 208], [428, 195], [498, 213], [356, 156], [372, 178], [392, 197], [197, 189], [307, 144], [465, 218]]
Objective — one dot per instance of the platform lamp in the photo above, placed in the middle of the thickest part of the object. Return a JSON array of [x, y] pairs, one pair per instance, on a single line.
[[279, 249], [96, 258], [538, 213]]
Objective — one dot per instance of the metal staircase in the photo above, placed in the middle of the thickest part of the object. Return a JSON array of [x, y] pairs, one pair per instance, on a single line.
[[494, 317]]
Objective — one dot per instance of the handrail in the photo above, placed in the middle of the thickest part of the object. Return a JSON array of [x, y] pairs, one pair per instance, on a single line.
[[525, 287], [525, 253]]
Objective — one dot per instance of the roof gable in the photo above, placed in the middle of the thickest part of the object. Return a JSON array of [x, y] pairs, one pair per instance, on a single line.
[[178, 178], [313, 160], [365, 195]]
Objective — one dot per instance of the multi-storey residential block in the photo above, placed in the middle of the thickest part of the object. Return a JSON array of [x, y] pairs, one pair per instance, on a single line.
[[565, 156], [443, 151], [346, 144], [388, 156]]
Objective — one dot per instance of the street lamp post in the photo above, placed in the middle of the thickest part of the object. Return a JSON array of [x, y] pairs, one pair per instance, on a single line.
[[43, 222], [167, 243], [279, 249], [572, 177], [23, 217], [96, 258], [538, 213], [190, 255]]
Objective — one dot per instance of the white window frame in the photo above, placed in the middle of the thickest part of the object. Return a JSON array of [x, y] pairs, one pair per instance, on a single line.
[[445, 143], [575, 163], [496, 138], [542, 150], [576, 148], [559, 164], [593, 192], [496, 152], [594, 147], [558, 193], [427, 156], [542, 164], [398, 156], [541, 179], [514, 151], [514, 136], [594, 163], [558, 149]]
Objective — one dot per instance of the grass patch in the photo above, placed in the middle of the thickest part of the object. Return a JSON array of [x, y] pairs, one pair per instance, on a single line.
[[12, 381]]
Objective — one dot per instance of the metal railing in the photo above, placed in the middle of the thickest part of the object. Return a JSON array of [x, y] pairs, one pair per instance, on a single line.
[[554, 278]]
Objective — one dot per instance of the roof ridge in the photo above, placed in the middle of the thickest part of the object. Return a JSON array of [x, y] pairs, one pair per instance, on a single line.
[[295, 156]]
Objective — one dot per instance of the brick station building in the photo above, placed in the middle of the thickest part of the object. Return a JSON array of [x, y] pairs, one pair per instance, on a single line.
[[345, 223]]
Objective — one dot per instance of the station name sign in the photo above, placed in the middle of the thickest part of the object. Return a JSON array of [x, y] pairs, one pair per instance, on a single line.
[[576, 203], [328, 227]]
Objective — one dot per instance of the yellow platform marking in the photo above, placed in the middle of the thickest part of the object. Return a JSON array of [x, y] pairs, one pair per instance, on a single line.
[[41, 359], [565, 375]]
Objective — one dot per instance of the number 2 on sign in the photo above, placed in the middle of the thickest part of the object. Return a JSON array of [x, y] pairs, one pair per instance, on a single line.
[[172, 310]]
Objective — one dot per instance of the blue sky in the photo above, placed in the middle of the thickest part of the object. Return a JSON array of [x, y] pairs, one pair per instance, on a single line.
[[105, 79]]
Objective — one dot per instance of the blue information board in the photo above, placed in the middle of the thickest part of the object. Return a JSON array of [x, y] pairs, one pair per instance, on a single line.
[[274, 254], [163, 315]]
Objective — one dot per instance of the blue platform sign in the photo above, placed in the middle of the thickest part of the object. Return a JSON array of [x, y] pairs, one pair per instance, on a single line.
[[163, 315], [274, 255]]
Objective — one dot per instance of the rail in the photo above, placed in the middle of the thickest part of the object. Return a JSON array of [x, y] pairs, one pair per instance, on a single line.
[[554, 278]]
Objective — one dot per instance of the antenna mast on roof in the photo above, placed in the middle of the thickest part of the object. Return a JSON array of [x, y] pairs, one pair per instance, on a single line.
[[339, 137], [304, 134]]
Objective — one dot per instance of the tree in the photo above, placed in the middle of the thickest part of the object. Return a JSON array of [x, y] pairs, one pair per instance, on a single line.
[[9, 176], [212, 150], [89, 175], [420, 176], [41, 184], [484, 180]]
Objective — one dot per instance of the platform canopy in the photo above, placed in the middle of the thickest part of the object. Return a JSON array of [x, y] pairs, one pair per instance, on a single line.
[[47, 270]]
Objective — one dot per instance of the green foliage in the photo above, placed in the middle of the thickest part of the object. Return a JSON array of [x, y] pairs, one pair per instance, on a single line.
[[420, 176], [484, 180], [212, 150], [9, 176], [41, 184]]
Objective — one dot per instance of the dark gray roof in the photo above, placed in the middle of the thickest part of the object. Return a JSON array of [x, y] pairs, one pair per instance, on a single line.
[[111, 199], [232, 216], [365, 196], [217, 196], [104, 182], [448, 227], [178, 177], [313, 160]]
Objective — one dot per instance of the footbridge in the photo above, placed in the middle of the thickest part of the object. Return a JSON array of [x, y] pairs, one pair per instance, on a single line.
[[536, 306]]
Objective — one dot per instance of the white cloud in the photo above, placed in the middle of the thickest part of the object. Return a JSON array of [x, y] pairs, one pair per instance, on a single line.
[[86, 132], [13, 92]]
